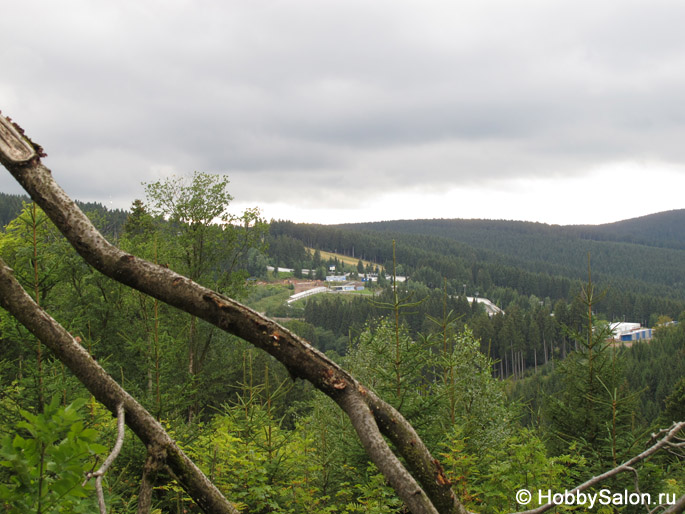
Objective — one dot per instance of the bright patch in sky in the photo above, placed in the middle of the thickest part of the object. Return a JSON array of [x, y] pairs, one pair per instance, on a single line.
[[613, 193], [563, 112]]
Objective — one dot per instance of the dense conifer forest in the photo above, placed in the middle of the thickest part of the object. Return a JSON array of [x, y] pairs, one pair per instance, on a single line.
[[534, 396]]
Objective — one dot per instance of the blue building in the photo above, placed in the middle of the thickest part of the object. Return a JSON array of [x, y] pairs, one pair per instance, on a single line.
[[637, 335]]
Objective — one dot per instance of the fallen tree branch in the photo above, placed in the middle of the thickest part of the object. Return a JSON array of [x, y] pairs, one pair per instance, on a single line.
[[100, 473], [664, 442], [107, 391], [376, 447], [677, 507], [299, 357], [428, 471]]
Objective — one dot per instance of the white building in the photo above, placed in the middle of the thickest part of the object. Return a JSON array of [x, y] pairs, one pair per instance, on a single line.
[[626, 332], [620, 328], [308, 292], [336, 278], [490, 307]]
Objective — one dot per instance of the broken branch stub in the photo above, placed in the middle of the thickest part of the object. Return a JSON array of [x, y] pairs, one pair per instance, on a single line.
[[13, 146], [298, 356]]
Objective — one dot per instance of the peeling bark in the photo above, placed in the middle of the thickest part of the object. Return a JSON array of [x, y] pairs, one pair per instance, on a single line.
[[427, 470]]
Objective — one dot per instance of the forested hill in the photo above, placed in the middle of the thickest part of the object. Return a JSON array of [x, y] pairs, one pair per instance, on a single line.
[[10, 207], [650, 249], [664, 229], [109, 221], [506, 259]]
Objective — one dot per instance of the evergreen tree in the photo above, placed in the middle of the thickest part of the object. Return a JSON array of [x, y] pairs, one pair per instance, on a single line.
[[592, 408]]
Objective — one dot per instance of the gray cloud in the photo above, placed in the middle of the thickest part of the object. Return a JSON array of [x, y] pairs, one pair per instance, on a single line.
[[308, 99]]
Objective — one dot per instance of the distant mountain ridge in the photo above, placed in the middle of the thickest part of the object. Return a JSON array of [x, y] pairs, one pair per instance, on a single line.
[[663, 230], [649, 250]]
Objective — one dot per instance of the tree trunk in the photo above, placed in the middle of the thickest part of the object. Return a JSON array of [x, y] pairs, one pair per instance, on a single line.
[[299, 357], [107, 391]]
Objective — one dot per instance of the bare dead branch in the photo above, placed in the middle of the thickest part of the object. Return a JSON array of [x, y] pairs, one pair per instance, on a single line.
[[677, 507], [637, 478], [626, 466], [107, 391], [299, 357], [374, 444], [100, 473], [427, 471]]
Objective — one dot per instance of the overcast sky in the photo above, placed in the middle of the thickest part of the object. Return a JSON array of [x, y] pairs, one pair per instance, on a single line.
[[329, 111]]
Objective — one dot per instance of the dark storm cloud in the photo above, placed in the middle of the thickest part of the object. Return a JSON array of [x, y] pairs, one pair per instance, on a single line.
[[286, 95]]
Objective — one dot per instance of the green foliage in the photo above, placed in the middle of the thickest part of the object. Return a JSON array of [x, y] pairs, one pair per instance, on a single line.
[[487, 480], [256, 263], [194, 233], [210, 244], [287, 252], [111, 220], [264, 467], [373, 495], [10, 207], [323, 339], [675, 403], [593, 408], [269, 298], [654, 369], [504, 259], [470, 397], [273, 446], [47, 459], [389, 361], [35, 250], [42, 262], [259, 463]]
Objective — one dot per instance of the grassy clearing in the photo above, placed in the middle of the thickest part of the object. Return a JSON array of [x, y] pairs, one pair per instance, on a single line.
[[267, 297], [345, 295], [342, 258]]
